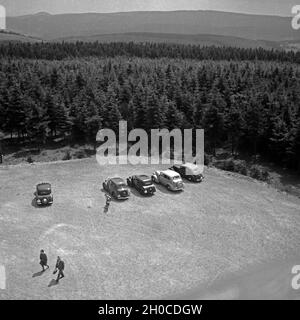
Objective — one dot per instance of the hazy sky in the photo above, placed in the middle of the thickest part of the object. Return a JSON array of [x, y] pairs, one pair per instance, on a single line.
[[273, 7]]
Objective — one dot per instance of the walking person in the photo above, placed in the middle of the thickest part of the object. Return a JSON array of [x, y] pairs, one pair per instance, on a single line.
[[108, 201], [43, 260], [60, 266]]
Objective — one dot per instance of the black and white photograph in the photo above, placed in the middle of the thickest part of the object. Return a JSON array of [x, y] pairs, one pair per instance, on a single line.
[[149, 150]]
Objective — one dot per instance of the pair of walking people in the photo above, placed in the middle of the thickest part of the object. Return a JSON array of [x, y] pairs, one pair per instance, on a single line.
[[59, 266]]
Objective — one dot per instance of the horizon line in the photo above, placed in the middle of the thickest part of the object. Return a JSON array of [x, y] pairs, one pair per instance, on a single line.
[[146, 11]]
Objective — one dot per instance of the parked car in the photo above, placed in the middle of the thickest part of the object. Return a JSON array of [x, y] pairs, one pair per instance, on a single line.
[[142, 183], [189, 171], [117, 188], [168, 178], [43, 194]]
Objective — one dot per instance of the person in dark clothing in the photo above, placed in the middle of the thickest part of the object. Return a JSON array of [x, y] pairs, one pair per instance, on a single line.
[[60, 266], [43, 260], [108, 201]]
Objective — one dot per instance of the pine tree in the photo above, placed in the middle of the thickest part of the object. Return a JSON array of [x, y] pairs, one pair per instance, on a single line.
[[213, 126], [174, 118], [59, 120], [293, 146], [37, 124], [155, 112], [279, 138], [15, 113], [234, 122], [92, 122]]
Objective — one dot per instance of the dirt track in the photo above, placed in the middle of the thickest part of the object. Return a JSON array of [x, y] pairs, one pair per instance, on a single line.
[[144, 247]]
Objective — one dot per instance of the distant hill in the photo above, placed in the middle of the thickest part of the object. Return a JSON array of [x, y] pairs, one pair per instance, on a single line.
[[199, 39], [254, 27], [186, 27], [7, 36]]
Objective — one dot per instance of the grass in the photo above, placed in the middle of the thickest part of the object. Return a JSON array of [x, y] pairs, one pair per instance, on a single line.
[[59, 150], [54, 153], [143, 247]]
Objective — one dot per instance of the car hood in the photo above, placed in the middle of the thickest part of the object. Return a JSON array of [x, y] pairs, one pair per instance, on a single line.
[[123, 189], [149, 186]]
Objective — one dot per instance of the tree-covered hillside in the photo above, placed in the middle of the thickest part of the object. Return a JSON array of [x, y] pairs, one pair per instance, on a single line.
[[246, 98]]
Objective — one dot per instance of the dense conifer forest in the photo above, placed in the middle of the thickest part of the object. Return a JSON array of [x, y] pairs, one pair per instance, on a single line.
[[247, 99]]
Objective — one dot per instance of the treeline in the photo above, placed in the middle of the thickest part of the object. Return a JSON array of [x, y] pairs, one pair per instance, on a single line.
[[64, 50], [250, 106]]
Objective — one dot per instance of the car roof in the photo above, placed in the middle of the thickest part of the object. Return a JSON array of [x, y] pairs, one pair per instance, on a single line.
[[143, 177], [44, 186], [117, 180], [195, 169], [170, 173], [190, 166]]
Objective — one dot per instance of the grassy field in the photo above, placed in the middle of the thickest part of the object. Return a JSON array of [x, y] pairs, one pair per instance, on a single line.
[[143, 247]]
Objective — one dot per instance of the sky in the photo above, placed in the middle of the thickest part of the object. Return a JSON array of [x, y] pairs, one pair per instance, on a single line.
[[270, 7]]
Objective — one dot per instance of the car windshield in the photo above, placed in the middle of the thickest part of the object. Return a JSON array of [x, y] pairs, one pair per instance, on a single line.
[[44, 192], [121, 185], [176, 178], [147, 182]]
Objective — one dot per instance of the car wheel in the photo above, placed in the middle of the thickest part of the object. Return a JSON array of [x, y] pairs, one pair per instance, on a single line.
[[103, 185], [168, 187]]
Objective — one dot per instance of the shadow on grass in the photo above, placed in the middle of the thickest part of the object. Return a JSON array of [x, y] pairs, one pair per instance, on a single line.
[[38, 274], [186, 181], [138, 194], [113, 199], [34, 204], [164, 190], [52, 283]]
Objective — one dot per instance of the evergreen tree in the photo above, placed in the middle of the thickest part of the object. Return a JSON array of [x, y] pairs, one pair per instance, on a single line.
[[213, 126]]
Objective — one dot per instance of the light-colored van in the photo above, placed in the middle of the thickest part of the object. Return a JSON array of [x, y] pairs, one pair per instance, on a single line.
[[168, 178]]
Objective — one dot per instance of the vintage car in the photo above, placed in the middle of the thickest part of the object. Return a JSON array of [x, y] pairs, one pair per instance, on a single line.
[[142, 183], [168, 178], [189, 171], [43, 194], [117, 188]]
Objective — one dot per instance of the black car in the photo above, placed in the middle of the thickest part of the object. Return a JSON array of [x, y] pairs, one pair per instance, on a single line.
[[117, 188], [142, 183], [43, 194], [189, 171]]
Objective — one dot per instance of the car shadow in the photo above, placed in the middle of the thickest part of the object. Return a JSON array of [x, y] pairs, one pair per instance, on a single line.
[[113, 199], [52, 283], [138, 194], [38, 274], [185, 181], [164, 190], [34, 204]]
